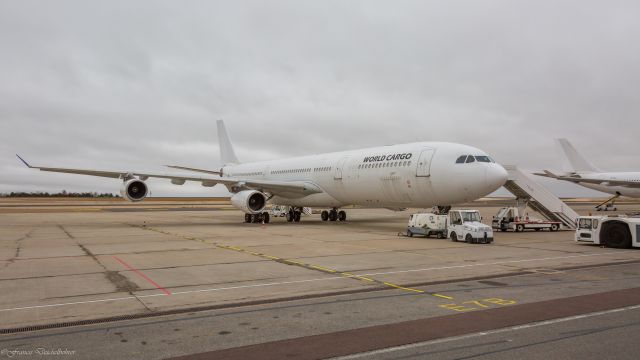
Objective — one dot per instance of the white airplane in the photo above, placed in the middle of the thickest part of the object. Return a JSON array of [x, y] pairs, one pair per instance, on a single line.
[[421, 175], [584, 173]]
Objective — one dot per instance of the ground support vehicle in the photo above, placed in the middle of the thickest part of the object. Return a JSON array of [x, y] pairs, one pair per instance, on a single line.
[[611, 231], [279, 210], [458, 225], [514, 218]]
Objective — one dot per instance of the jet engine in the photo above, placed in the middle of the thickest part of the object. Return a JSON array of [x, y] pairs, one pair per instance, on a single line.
[[249, 201], [134, 190]]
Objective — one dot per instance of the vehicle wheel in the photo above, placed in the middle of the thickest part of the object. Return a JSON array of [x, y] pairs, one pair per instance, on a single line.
[[519, 228], [615, 209], [324, 215], [266, 217], [342, 216], [440, 235], [554, 227], [247, 218], [333, 215], [290, 216], [454, 237], [615, 235], [469, 239], [409, 233], [296, 216], [538, 229]]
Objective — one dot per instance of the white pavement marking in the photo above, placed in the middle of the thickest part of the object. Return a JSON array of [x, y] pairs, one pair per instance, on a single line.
[[485, 333], [301, 281]]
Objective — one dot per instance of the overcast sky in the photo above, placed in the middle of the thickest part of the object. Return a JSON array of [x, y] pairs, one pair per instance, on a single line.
[[133, 85]]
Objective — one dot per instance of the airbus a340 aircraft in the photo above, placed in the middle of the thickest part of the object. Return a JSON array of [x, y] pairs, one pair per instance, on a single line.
[[584, 173], [421, 175]]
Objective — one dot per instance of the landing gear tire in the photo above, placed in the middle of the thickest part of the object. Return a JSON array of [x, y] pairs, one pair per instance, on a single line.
[[265, 217], [296, 216], [290, 216], [247, 218], [454, 237], [333, 215], [324, 215], [342, 216]]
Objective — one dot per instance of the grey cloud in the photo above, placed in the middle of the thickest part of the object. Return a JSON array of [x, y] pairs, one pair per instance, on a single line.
[[137, 84]]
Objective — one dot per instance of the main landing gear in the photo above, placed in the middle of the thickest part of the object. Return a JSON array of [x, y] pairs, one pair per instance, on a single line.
[[294, 215], [333, 215], [610, 204], [257, 218]]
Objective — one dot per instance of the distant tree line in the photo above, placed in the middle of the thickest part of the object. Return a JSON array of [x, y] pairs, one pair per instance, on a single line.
[[62, 193]]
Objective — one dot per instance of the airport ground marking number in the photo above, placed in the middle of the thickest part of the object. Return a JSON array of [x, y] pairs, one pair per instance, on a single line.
[[472, 305]]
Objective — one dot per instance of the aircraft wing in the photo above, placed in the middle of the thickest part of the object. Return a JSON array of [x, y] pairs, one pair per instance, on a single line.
[[194, 169], [576, 179], [300, 188]]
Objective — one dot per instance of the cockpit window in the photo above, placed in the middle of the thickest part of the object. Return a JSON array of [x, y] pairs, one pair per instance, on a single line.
[[470, 159], [461, 159], [483, 158]]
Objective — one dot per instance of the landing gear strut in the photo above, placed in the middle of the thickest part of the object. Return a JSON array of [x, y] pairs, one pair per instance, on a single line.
[[609, 204]]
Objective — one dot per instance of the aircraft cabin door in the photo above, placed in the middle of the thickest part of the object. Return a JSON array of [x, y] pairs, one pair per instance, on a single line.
[[337, 175], [424, 163]]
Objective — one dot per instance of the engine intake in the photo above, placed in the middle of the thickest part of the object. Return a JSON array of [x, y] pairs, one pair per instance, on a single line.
[[134, 190], [249, 201]]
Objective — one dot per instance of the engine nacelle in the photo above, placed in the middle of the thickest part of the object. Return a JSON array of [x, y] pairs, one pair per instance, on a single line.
[[249, 201], [134, 190]]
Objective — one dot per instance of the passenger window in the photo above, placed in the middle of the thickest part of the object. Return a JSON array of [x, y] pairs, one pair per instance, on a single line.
[[470, 159], [461, 159]]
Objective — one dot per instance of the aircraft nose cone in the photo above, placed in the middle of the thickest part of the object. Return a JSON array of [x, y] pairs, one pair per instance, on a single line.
[[496, 176]]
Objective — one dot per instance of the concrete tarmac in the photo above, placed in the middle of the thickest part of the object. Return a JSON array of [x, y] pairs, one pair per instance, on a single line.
[[81, 263]]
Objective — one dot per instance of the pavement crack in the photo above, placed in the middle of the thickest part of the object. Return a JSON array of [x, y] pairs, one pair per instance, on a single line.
[[16, 255]]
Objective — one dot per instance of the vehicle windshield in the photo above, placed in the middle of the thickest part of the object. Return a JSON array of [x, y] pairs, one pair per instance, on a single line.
[[484, 159], [470, 216], [585, 224]]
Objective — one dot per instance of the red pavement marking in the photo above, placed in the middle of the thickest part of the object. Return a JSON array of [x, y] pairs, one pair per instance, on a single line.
[[142, 275]]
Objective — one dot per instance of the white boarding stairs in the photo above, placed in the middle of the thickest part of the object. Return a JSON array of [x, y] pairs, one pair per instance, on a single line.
[[539, 198]]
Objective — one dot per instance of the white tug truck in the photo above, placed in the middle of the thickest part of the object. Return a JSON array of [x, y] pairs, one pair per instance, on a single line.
[[612, 231], [457, 225], [515, 218]]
